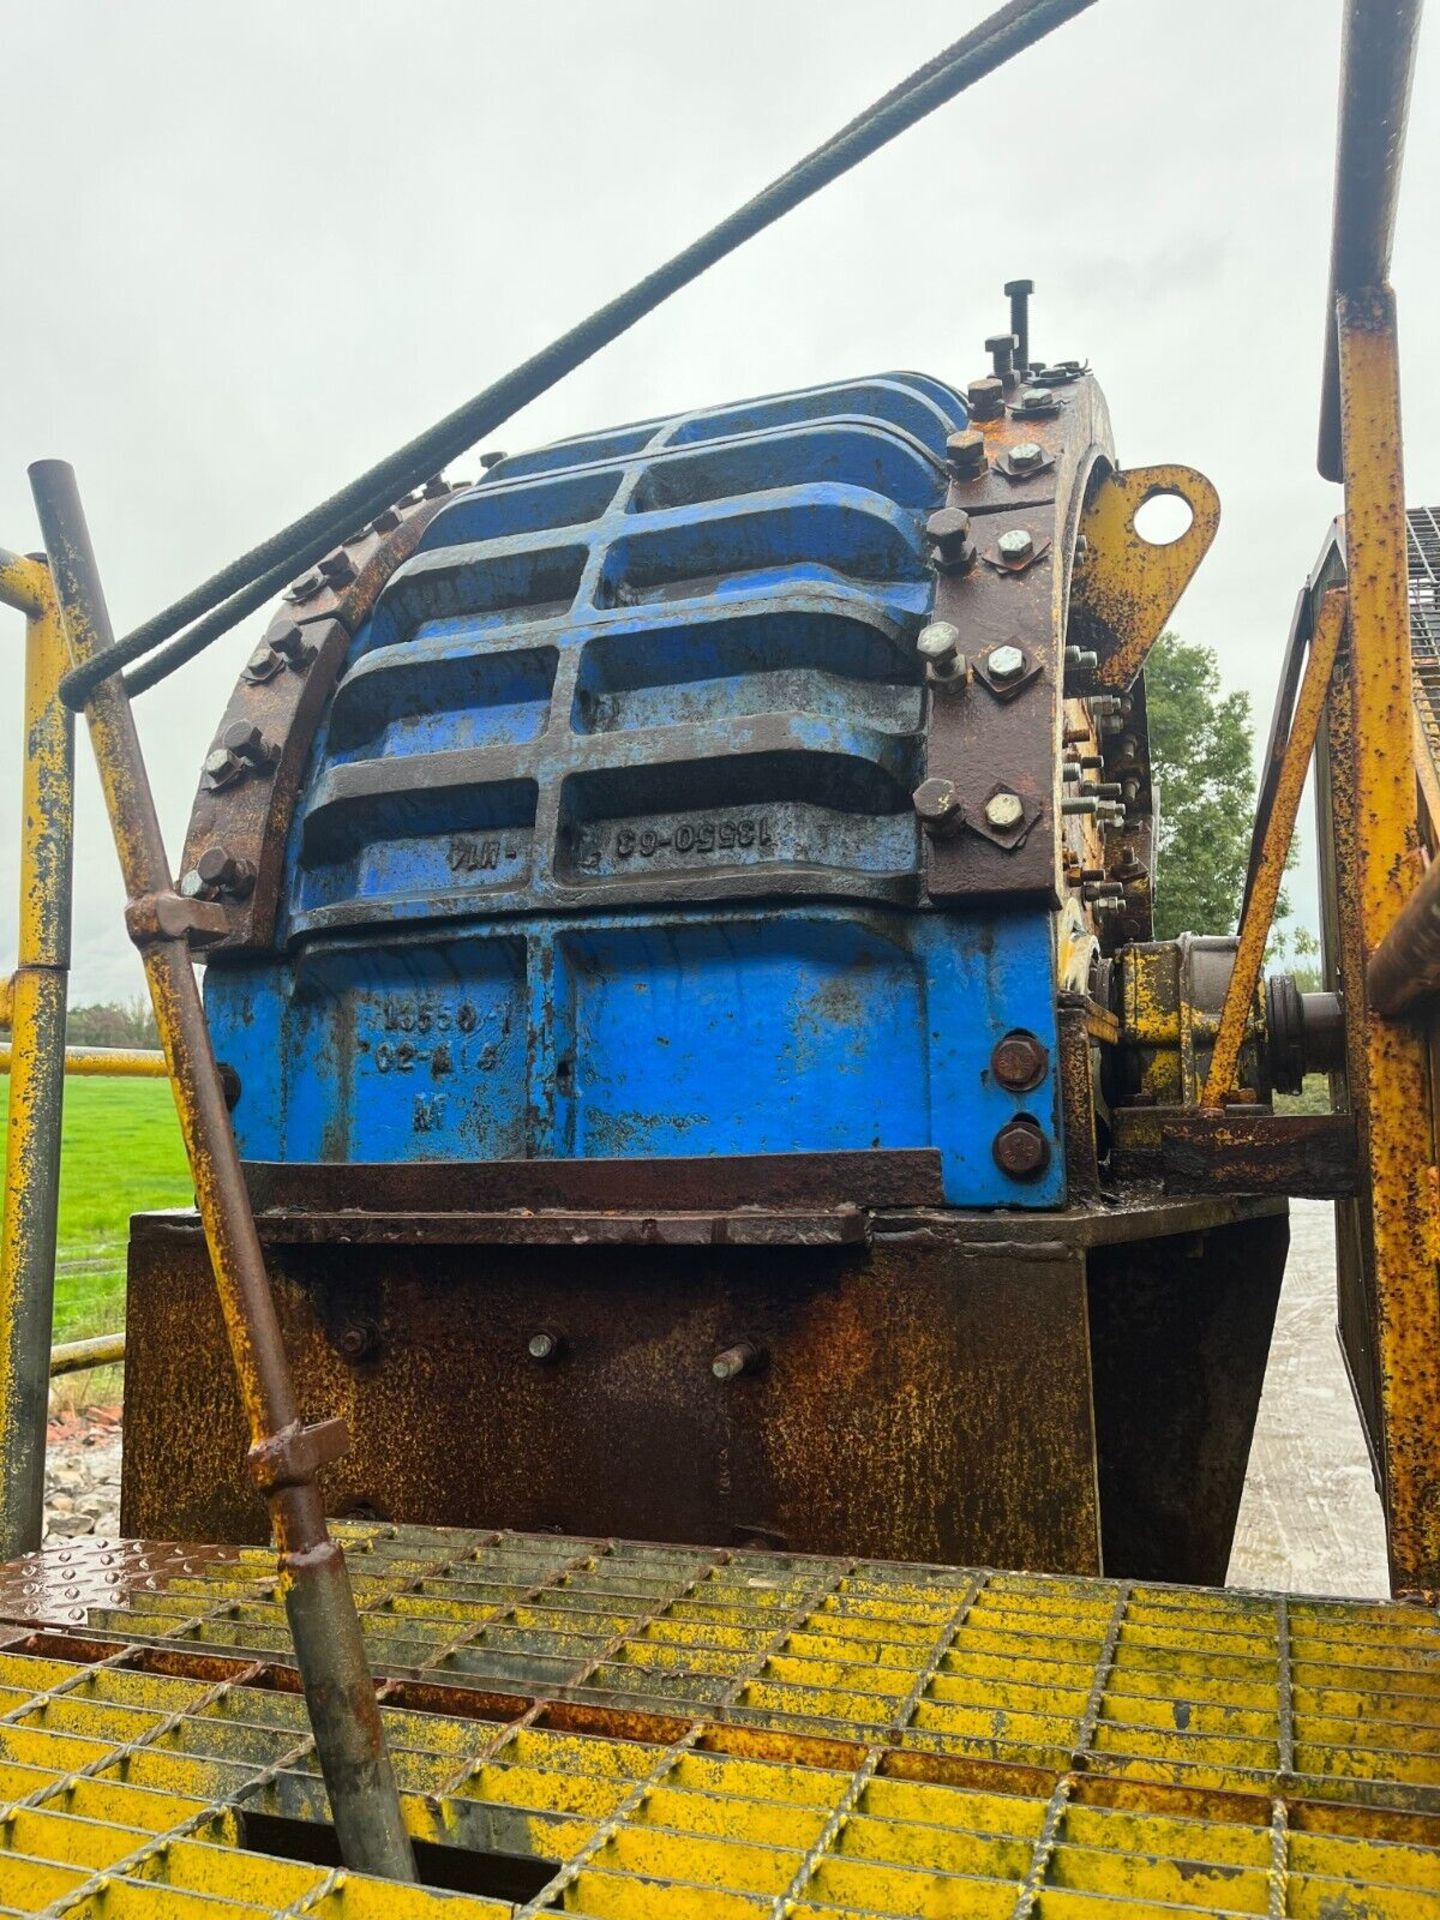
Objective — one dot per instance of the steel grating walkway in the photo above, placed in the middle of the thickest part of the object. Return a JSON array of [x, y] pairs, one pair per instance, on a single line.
[[632, 1731]]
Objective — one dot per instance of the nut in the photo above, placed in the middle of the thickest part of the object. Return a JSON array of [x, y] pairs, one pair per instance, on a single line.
[[359, 1341], [1005, 662], [248, 744], [986, 398], [1004, 811], [338, 568], [948, 530], [489, 460], [263, 664], [225, 872], [965, 454], [291, 644], [306, 587], [1028, 454], [223, 769], [937, 807], [385, 522], [1019, 1061], [1021, 1150], [939, 647]]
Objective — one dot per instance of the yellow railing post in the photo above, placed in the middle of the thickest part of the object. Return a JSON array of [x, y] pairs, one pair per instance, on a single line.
[[1397, 1162], [36, 1007]]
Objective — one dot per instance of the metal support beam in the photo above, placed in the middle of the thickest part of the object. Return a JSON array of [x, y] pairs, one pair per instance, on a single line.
[[1270, 867], [36, 1010], [105, 1063], [78, 1356], [1392, 1097], [285, 1455], [1377, 67]]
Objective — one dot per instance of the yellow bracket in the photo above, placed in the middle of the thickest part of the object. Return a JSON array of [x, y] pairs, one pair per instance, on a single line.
[[1128, 586]]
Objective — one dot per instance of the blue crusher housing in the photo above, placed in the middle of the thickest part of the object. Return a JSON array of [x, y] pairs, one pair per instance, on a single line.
[[606, 846], [686, 960]]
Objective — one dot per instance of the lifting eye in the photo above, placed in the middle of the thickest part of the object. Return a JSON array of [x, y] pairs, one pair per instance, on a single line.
[[1163, 519]]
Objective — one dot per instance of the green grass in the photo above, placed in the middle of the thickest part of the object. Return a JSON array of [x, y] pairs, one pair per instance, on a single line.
[[121, 1155]]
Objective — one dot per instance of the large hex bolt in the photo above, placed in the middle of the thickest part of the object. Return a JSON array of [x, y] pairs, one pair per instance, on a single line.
[[1028, 455], [338, 568], [1016, 546], [986, 398], [965, 455], [1019, 1061], [246, 743], [1036, 400], [1005, 662], [938, 645], [948, 530], [293, 645], [1001, 349], [1021, 1150], [938, 809], [1004, 811], [221, 872], [223, 769]]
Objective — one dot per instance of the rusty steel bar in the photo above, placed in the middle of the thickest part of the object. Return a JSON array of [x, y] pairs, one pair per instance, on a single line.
[[248, 582], [106, 1063], [1377, 67], [285, 1455], [78, 1356], [35, 1012], [1270, 867], [1405, 967], [1392, 1100]]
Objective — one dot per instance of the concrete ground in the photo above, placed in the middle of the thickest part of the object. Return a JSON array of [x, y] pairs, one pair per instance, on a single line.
[[1310, 1520]]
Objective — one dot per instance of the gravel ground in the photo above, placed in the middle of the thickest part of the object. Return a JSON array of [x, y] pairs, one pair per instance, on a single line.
[[82, 1475], [1310, 1520]]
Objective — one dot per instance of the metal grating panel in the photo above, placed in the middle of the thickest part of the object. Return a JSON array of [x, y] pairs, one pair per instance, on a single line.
[[697, 1732]]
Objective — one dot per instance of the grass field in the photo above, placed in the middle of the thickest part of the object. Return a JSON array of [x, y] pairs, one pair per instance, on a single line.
[[122, 1154]]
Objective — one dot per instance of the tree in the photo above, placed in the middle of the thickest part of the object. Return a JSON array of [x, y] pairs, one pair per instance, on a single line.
[[1200, 751], [113, 1024]]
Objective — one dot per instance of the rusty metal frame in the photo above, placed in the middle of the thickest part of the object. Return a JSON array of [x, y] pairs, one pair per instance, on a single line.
[[35, 1012], [1389, 1083], [285, 1455], [1269, 869]]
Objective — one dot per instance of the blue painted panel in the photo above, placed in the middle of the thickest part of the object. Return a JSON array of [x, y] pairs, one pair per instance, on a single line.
[[652, 1035]]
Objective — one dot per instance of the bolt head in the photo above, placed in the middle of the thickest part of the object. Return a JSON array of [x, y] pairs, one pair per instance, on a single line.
[[221, 767], [986, 398], [948, 526], [1014, 287], [1028, 454], [965, 454], [1036, 397], [489, 460], [385, 522], [1019, 1061], [938, 643], [1005, 662], [192, 886], [937, 806], [541, 1345], [1004, 811], [1015, 545], [1021, 1150]]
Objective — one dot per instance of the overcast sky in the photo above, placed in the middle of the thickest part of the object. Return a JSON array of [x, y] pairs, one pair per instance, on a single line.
[[252, 247]]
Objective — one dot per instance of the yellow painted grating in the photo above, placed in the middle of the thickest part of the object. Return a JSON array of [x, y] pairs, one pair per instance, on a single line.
[[641, 1731]]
